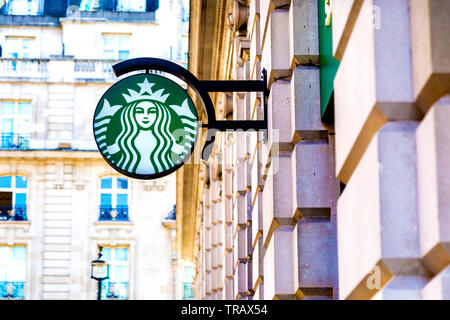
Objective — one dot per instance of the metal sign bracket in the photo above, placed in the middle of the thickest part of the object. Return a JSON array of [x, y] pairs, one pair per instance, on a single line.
[[202, 87]]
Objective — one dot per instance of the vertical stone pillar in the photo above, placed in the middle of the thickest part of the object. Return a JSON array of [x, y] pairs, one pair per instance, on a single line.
[[207, 242], [303, 26], [316, 186], [374, 82], [279, 232], [57, 232], [317, 190], [279, 227], [227, 202], [255, 181], [275, 40], [214, 255], [379, 252], [202, 257], [430, 45], [433, 163]]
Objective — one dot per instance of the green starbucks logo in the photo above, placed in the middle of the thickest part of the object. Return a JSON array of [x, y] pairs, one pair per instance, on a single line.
[[145, 126]]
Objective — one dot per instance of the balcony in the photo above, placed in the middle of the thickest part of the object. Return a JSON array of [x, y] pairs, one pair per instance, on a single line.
[[114, 290], [120, 213], [23, 68], [61, 69], [34, 15], [12, 290], [16, 213], [13, 141], [94, 69], [188, 292]]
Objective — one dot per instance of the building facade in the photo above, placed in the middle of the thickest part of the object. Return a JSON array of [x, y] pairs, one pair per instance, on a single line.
[[60, 201], [346, 197]]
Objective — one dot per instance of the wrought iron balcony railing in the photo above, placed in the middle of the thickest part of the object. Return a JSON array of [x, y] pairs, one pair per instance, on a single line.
[[76, 69], [114, 290], [25, 67], [12, 290], [16, 213], [15, 141], [188, 292], [94, 69], [120, 213], [81, 70], [172, 214]]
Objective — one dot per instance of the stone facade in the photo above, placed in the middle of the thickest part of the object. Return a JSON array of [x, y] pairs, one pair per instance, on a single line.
[[353, 208], [62, 78]]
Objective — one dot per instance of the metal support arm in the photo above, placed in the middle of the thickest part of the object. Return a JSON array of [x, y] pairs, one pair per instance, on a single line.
[[202, 88]]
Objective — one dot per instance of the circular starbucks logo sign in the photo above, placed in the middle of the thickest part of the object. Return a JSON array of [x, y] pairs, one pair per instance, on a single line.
[[145, 126]]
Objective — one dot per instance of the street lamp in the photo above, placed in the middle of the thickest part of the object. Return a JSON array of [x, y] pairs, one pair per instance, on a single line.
[[99, 271]]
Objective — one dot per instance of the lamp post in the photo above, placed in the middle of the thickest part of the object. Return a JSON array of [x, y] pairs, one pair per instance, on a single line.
[[99, 271]]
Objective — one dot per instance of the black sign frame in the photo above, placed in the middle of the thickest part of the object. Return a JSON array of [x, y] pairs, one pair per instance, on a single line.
[[201, 88]]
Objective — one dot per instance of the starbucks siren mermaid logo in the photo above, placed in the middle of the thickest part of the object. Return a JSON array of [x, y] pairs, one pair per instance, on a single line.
[[149, 131]]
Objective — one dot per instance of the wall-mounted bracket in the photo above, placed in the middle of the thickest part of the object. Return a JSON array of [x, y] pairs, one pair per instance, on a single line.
[[202, 88]]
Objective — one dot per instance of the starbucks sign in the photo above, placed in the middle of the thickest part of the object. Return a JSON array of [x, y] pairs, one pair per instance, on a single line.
[[145, 126]]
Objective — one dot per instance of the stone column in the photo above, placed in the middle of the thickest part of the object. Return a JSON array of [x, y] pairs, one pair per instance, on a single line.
[[433, 163], [227, 203], [379, 252]]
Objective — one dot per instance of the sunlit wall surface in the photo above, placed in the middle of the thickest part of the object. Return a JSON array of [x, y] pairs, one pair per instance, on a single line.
[[347, 196], [59, 200]]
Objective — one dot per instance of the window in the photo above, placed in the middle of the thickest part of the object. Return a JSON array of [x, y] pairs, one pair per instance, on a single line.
[[114, 199], [12, 272], [23, 7], [19, 47], [131, 5], [116, 287], [13, 198], [116, 47], [15, 120], [188, 292], [89, 5]]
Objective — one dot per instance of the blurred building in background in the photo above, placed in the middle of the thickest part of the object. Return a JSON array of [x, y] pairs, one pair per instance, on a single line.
[[59, 200], [348, 197]]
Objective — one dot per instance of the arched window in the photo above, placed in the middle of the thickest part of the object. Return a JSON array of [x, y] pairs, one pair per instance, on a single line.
[[13, 198], [113, 199]]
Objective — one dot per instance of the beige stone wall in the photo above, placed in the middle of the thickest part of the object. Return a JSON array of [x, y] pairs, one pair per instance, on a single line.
[[391, 149], [63, 232], [267, 219]]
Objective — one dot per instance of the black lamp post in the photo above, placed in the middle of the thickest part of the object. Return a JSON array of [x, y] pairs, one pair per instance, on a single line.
[[99, 272]]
